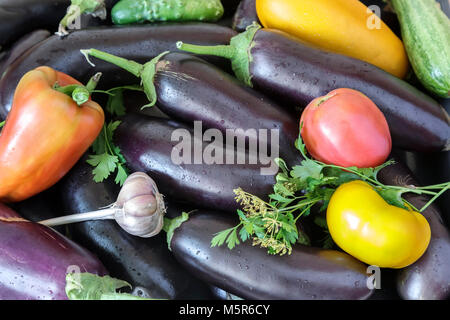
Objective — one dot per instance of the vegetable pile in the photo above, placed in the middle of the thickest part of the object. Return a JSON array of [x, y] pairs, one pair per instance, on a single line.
[[288, 176]]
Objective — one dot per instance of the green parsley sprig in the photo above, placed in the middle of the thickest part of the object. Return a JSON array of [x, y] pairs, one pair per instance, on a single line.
[[108, 157], [272, 225]]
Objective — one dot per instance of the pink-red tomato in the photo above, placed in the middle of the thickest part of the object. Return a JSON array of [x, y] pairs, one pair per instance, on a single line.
[[346, 128]]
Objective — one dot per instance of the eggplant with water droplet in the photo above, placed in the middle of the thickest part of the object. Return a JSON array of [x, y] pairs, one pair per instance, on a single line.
[[20, 47], [142, 262], [18, 17], [251, 273], [285, 68], [245, 15], [140, 43], [35, 259], [152, 145]]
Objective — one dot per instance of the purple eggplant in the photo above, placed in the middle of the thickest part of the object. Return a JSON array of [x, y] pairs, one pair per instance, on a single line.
[[18, 17], [249, 272], [35, 259], [140, 43], [21, 46], [245, 15], [189, 89], [142, 262], [146, 143], [287, 69], [428, 277]]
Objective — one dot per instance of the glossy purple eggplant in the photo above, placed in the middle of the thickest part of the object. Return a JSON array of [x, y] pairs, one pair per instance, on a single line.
[[147, 146], [249, 272], [427, 278], [245, 15], [289, 70], [35, 259], [142, 262], [21, 46], [18, 17], [140, 43], [190, 89]]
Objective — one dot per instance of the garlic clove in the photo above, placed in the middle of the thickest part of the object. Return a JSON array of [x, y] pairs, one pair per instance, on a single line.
[[136, 184], [141, 206], [140, 216]]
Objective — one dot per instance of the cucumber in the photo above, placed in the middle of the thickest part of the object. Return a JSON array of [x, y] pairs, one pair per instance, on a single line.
[[426, 35], [140, 11]]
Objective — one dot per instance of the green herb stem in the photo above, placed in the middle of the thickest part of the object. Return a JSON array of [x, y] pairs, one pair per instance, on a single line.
[[434, 198]]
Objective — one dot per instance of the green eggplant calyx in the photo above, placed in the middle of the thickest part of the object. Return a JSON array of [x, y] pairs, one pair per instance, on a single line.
[[170, 225], [238, 51], [145, 72]]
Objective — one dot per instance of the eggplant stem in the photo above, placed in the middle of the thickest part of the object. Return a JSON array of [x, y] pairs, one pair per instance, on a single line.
[[104, 214], [128, 65], [224, 51]]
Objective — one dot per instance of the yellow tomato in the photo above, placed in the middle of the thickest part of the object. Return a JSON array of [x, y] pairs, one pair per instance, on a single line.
[[365, 226], [341, 26]]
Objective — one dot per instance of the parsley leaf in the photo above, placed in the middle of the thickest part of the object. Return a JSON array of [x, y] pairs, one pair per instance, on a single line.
[[104, 164], [108, 157]]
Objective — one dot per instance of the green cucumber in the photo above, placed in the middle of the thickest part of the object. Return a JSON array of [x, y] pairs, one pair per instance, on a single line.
[[140, 11], [426, 35]]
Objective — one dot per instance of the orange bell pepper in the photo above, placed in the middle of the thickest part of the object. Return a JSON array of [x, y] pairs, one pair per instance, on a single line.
[[340, 26], [45, 134]]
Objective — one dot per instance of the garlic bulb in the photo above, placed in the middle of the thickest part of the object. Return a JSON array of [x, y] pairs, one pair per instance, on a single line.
[[142, 206], [139, 208]]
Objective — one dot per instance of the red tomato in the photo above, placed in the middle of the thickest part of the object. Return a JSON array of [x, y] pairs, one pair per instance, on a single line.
[[346, 128]]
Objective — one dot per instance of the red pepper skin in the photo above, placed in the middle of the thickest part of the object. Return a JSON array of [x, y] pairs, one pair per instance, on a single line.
[[45, 134], [346, 128]]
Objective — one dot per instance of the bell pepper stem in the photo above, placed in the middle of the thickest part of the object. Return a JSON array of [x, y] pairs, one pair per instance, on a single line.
[[224, 51], [79, 93], [104, 214], [2, 123], [128, 65]]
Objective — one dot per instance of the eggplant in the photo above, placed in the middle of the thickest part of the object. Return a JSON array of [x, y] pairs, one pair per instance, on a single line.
[[146, 144], [21, 46], [189, 89], [142, 262], [427, 278], [251, 273], [289, 70], [18, 17], [35, 259], [140, 43], [245, 15]]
